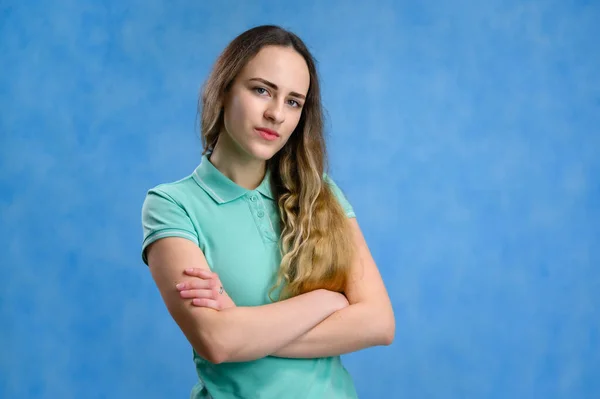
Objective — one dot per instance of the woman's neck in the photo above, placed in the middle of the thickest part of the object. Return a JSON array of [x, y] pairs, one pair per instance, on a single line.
[[240, 168]]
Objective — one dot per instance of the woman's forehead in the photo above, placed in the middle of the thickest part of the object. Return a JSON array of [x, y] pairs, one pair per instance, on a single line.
[[282, 66]]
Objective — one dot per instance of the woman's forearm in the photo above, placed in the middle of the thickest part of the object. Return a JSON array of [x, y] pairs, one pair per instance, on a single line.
[[368, 321], [353, 328], [247, 333]]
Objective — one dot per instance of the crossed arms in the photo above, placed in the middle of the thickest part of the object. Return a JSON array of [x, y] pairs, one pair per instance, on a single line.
[[316, 324]]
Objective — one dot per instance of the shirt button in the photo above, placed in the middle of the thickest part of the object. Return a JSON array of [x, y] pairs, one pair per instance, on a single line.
[[253, 198], [261, 214]]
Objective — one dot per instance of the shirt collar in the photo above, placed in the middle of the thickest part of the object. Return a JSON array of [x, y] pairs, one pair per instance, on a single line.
[[221, 188]]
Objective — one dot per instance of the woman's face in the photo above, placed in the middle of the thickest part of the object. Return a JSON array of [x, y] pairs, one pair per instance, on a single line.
[[264, 104]]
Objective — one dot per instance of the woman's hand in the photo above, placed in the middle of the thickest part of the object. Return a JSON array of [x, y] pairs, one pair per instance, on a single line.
[[205, 291]]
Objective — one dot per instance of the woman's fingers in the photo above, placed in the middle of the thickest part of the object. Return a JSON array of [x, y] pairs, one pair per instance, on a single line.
[[204, 290], [196, 284], [199, 272], [206, 303], [198, 293]]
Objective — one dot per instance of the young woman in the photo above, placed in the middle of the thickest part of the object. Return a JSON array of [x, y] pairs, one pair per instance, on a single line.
[[257, 254]]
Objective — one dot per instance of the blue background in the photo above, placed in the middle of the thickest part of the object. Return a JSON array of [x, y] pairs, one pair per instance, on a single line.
[[466, 135]]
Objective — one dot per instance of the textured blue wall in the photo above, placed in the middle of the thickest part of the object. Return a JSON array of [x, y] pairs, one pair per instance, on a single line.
[[466, 135]]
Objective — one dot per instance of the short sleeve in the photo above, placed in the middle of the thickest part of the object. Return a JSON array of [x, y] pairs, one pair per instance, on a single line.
[[162, 217], [346, 206]]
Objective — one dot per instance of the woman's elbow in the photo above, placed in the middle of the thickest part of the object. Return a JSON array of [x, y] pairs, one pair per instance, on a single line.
[[217, 358], [388, 334], [214, 356], [209, 347], [387, 330]]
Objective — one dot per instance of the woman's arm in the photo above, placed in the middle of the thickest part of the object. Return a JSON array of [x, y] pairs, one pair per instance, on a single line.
[[368, 321], [238, 333]]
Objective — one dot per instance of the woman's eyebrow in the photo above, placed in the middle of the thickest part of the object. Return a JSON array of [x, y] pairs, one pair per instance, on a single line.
[[274, 87]]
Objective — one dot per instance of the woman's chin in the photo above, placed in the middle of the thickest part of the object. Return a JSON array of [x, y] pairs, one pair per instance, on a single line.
[[262, 152]]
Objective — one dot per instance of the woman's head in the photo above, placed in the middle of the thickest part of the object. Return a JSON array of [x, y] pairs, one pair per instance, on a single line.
[[266, 78]]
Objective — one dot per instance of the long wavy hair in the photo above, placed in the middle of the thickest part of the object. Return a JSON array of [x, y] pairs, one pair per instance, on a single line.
[[315, 242]]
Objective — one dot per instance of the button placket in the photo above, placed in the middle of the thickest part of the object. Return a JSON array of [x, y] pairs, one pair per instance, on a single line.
[[258, 214], [268, 223], [261, 217]]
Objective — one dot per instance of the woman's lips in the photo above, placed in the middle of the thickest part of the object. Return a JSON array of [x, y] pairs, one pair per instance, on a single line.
[[267, 134]]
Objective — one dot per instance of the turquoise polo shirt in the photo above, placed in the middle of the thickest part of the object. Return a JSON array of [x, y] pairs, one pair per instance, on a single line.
[[238, 231]]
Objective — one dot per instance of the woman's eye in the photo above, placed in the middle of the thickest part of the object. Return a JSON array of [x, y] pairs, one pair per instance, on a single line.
[[260, 90], [294, 103]]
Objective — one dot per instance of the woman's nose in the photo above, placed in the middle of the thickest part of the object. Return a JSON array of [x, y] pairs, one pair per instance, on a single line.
[[274, 112]]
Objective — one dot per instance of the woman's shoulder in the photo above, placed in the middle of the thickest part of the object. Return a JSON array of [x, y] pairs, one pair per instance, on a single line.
[[177, 189], [340, 195], [184, 196]]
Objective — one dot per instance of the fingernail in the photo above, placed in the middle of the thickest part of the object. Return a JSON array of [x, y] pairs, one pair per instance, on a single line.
[[189, 270], [179, 286]]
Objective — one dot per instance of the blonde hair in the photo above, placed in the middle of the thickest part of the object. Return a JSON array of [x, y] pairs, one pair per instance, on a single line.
[[315, 245]]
